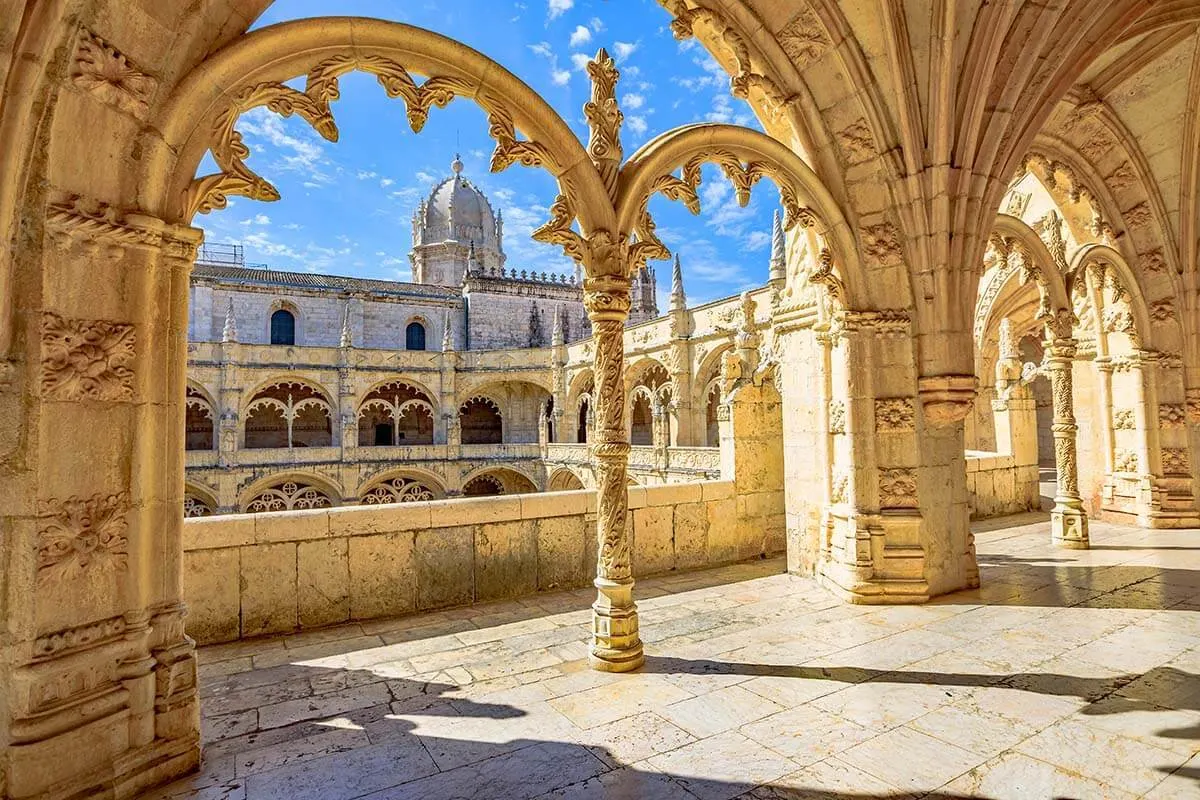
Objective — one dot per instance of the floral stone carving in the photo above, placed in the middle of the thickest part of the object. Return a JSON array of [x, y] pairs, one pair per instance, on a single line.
[[894, 414], [86, 359], [108, 75], [82, 536], [897, 488]]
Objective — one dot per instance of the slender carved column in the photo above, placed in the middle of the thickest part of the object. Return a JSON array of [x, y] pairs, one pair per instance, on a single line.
[[1068, 521], [616, 645]]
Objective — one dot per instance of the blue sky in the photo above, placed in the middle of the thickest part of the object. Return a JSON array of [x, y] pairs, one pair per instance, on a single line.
[[346, 207]]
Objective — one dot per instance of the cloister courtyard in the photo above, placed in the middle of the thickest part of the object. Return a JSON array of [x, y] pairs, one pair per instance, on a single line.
[[1072, 674]]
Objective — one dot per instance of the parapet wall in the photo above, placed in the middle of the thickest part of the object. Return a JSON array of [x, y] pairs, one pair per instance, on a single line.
[[998, 485], [254, 574]]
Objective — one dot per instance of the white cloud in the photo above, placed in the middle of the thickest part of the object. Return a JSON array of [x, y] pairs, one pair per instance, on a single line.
[[542, 49], [580, 36], [633, 100], [561, 77], [364, 175], [580, 60], [757, 240], [385, 182], [424, 177], [559, 7], [624, 50], [292, 226], [596, 24], [636, 124]]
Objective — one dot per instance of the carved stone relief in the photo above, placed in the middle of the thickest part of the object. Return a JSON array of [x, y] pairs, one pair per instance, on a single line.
[[803, 38], [894, 414], [1162, 311], [1124, 419], [1171, 415], [104, 72], [86, 359], [897, 488], [77, 537], [1126, 461], [1175, 461], [837, 416], [881, 243], [857, 143]]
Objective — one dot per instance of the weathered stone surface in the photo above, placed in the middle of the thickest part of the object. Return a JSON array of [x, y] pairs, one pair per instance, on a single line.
[[382, 575], [506, 560], [444, 563]]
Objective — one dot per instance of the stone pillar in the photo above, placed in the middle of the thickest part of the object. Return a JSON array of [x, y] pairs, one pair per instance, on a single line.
[[616, 645], [98, 678], [1068, 520]]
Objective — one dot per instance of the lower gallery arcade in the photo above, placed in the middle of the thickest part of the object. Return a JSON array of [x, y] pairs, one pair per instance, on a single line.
[[796, 477]]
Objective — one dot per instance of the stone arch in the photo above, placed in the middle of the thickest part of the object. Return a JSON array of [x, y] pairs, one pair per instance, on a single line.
[[1108, 258], [483, 485], [708, 371], [200, 421], [641, 416], [288, 413], [520, 401], [289, 492], [250, 72], [396, 413], [481, 421], [563, 480], [511, 480], [198, 500], [407, 485]]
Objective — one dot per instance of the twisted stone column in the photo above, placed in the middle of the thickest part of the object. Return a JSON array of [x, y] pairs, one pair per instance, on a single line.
[[616, 645], [1068, 521]]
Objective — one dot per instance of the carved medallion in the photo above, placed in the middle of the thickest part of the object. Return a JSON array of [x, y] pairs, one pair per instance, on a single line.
[[105, 73], [897, 488], [894, 414]]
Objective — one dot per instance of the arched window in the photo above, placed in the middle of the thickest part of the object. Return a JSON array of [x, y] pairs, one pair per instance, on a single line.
[[582, 429], [641, 430], [414, 336], [283, 327], [480, 422]]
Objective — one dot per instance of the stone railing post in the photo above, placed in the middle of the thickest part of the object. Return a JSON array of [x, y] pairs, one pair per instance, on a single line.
[[1068, 521], [616, 645]]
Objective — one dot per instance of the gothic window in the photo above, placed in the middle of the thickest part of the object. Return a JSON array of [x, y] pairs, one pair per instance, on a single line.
[[283, 327], [414, 336], [480, 421]]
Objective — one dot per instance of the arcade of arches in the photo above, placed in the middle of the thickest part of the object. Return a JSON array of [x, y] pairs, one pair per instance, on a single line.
[[986, 262]]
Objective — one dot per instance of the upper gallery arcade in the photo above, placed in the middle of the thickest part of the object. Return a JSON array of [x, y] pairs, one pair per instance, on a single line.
[[989, 244]]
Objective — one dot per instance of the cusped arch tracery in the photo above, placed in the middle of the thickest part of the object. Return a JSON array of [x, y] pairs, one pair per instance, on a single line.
[[288, 413], [396, 413], [293, 493]]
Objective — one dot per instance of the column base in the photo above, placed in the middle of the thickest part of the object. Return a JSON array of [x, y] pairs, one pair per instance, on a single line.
[[1069, 527], [616, 644]]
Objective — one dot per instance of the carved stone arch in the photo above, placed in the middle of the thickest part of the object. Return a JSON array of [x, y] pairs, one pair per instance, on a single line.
[[250, 72], [746, 156], [583, 383], [311, 383], [563, 480], [416, 385], [199, 500], [200, 418], [1022, 256], [405, 485], [1110, 259], [512, 479], [709, 370], [287, 490], [811, 44]]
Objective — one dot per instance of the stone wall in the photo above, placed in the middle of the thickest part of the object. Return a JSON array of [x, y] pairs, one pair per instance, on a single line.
[[998, 485], [255, 574]]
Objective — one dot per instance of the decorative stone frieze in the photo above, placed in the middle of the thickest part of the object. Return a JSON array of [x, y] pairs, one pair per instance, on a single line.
[[66, 641], [1124, 419], [81, 537], [881, 243]]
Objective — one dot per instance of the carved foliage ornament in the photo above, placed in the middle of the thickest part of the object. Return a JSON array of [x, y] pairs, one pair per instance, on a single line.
[[894, 414], [78, 537], [837, 416], [86, 359], [1124, 419], [101, 70], [804, 38], [313, 105], [1175, 461], [897, 488]]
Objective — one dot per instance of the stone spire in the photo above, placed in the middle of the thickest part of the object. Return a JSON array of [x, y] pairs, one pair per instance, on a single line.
[[500, 227], [557, 337], [678, 298], [778, 270], [472, 260], [347, 339], [447, 338], [229, 333]]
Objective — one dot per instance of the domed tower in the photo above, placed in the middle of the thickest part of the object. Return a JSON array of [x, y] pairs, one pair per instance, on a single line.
[[455, 219]]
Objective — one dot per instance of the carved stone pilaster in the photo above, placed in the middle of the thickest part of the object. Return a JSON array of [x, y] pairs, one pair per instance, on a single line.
[[616, 644], [1068, 521]]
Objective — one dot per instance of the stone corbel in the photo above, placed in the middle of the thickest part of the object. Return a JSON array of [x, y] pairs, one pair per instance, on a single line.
[[947, 399]]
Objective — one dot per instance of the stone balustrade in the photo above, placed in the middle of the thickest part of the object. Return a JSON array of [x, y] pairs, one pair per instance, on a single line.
[[255, 574]]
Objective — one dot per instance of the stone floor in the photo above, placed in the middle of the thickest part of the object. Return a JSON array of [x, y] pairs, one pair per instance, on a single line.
[[1068, 675]]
